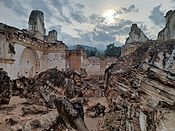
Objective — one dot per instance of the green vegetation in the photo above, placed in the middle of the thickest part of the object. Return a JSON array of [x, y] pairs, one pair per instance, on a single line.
[[112, 51], [91, 52]]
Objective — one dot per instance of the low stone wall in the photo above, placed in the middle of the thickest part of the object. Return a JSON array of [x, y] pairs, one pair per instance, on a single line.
[[96, 66]]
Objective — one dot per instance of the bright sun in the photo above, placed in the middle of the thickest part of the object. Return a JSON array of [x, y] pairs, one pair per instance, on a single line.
[[110, 16]]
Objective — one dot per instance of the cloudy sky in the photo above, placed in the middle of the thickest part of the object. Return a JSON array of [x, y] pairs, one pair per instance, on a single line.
[[90, 22]]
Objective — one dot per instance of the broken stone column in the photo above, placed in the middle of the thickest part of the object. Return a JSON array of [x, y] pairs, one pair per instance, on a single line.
[[52, 36], [136, 35], [69, 114], [168, 32], [47, 88], [36, 22]]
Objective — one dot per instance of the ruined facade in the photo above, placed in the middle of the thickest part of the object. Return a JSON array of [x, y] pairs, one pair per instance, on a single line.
[[77, 59], [97, 66], [169, 31], [28, 52]]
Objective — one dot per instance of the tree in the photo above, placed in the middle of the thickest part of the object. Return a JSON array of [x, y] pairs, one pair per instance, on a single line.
[[91, 52], [100, 54], [112, 50]]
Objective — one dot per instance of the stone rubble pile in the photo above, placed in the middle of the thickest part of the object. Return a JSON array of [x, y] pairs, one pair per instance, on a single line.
[[51, 100], [140, 87], [5, 87]]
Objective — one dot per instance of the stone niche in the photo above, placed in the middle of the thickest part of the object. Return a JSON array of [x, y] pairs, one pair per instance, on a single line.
[[7, 50], [29, 63], [168, 32]]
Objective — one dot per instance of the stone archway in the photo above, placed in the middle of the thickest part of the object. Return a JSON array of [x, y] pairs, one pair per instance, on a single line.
[[29, 63]]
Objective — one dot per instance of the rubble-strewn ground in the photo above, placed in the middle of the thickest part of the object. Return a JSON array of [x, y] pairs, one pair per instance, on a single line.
[[30, 103]]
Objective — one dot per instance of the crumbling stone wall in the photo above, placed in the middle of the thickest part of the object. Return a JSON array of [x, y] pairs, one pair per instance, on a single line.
[[93, 66], [6, 51], [29, 63], [28, 52], [97, 66], [75, 59], [51, 60], [140, 88], [168, 32]]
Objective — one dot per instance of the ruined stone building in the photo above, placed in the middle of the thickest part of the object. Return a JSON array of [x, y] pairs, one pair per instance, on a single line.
[[28, 52], [77, 59], [136, 36], [97, 66]]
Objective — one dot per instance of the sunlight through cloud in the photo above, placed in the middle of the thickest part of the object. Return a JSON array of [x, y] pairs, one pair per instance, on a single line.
[[110, 16]]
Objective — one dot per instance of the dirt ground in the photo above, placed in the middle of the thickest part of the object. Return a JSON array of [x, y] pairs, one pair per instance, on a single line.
[[15, 111]]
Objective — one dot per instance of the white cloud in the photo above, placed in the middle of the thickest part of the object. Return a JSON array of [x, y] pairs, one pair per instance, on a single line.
[[81, 21]]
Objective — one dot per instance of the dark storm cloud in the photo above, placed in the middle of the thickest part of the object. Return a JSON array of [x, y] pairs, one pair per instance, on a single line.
[[84, 35], [64, 19], [105, 33], [94, 19], [75, 11], [58, 28], [101, 36], [157, 16], [59, 4], [78, 16], [122, 27], [65, 37], [15, 6], [69, 39], [79, 6], [43, 6], [124, 10], [108, 33]]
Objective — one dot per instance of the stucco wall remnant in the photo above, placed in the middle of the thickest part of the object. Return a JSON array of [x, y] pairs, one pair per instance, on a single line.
[[97, 66], [168, 33], [27, 52]]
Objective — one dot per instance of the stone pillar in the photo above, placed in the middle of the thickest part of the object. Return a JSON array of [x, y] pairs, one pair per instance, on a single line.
[[52, 36], [36, 22]]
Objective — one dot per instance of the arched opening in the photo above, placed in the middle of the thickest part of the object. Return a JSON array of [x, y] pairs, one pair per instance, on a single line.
[[29, 63]]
